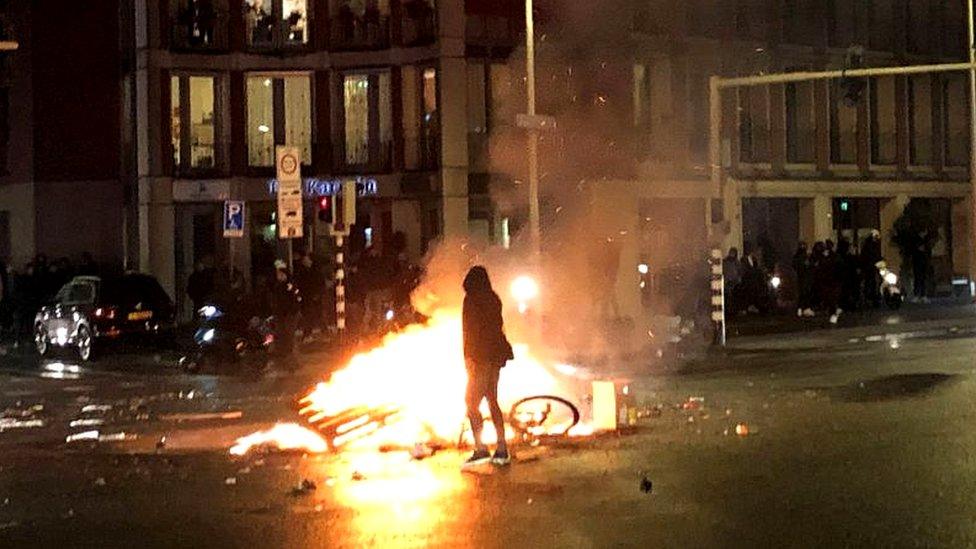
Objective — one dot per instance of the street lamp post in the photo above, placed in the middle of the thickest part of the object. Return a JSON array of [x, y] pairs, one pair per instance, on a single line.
[[971, 46], [534, 237]]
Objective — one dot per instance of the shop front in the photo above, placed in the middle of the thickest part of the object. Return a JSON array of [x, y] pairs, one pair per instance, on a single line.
[[199, 238]]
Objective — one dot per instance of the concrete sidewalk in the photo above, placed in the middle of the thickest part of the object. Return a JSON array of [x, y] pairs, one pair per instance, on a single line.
[[913, 321]]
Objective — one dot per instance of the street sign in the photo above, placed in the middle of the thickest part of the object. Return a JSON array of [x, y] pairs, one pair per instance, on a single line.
[[290, 222], [288, 163], [233, 219]]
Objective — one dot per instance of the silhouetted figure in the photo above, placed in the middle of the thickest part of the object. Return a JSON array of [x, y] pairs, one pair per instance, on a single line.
[[486, 350]]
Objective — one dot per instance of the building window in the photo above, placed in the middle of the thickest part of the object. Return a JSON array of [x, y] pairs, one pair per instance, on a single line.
[[801, 123], [699, 115], [275, 23], [641, 96], [430, 134], [750, 19], [882, 24], [955, 113], [4, 129], [754, 124], [198, 23], [477, 90], [194, 126], [421, 117], [842, 23], [843, 127], [883, 143], [920, 119], [360, 24], [279, 111], [368, 128], [918, 25], [798, 15], [419, 22]]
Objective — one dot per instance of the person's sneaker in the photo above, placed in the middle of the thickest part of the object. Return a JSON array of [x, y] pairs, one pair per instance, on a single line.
[[809, 312], [834, 318], [799, 312], [479, 457], [501, 458]]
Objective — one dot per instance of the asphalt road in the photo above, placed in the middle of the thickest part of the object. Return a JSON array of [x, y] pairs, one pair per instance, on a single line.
[[855, 439]]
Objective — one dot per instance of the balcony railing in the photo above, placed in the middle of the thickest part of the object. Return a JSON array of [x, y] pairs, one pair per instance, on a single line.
[[368, 32]]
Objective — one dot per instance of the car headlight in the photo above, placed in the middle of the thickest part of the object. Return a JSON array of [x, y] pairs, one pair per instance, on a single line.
[[209, 311], [891, 278]]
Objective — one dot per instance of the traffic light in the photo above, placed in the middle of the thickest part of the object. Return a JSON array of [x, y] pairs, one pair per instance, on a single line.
[[325, 209]]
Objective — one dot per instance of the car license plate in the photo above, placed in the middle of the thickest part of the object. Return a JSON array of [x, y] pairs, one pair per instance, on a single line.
[[140, 315]]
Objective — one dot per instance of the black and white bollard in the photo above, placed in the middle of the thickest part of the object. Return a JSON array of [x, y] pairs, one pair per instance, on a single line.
[[718, 297], [340, 287]]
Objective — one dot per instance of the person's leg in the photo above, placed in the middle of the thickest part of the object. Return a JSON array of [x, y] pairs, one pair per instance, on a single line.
[[497, 418], [472, 399]]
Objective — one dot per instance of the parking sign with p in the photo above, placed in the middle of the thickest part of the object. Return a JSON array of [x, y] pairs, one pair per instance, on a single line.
[[233, 219]]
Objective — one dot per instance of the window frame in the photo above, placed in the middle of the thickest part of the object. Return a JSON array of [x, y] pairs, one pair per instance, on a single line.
[[184, 168], [430, 153], [219, 41], [384, 163], [278, 131], [279, 40]]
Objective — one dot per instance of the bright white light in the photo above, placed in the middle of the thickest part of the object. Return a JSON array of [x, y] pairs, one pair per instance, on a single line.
[[62, 336], [776, 282], [524, 288], [263, 128], [208, 335], [643, 269], [60, 368], [566, 369], [267, 82], [208, 311], [891, 278], [389, 315]]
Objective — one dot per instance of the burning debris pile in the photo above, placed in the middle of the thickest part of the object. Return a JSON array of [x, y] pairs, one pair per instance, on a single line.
[[410, 390]]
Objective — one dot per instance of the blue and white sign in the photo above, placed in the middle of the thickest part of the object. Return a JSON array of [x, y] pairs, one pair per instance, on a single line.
[[313, 187], [233, 219]]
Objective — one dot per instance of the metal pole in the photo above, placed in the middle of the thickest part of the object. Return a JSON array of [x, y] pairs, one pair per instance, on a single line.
[[805, 76], [715, 138], [291, 256], [972, 140], [718, 186], [534, 235]]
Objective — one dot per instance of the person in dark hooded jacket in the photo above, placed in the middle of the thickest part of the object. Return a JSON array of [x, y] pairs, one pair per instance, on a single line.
[[486, 350]]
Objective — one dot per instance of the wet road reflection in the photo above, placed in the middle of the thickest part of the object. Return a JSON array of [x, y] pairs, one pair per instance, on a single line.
[[396, 499]]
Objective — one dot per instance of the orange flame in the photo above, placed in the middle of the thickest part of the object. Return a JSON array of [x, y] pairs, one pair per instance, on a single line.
[[410, 389]]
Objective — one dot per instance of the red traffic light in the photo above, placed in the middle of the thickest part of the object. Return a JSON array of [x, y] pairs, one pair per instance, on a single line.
[[325, 209]]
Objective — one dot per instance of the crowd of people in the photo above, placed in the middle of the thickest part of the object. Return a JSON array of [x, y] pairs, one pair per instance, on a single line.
[[828, 278], [302, 299], [23, 291]]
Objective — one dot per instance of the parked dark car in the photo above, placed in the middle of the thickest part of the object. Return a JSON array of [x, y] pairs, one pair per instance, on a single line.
[[89, 312]]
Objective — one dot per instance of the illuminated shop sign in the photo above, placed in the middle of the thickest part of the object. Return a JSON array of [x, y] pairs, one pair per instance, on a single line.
[[314, 187]]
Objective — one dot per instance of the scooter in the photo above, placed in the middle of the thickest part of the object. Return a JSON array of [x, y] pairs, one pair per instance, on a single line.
[[890, 290], [222, 343]]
